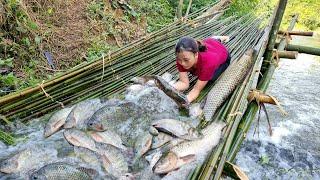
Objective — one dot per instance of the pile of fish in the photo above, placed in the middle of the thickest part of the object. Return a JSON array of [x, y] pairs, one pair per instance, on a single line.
[[140, 136]]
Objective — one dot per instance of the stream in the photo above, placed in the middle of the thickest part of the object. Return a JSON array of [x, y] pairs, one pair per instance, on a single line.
[[293, 150]]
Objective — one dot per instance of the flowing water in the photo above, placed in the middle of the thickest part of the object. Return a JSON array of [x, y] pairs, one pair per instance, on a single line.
[[293, 151]]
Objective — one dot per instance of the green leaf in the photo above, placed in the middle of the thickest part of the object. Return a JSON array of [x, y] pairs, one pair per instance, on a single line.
[[37, 39], [9, 80], [6, 62], [26, 41], [32, 25]]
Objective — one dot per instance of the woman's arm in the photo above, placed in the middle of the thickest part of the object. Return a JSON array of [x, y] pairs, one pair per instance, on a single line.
[[194, 93], [183, 82], [223, 39]]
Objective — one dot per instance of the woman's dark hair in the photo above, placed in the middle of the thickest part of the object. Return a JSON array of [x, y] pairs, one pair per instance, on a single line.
[[190, 44]]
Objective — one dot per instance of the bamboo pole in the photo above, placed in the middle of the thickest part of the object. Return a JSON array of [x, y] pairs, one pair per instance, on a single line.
[[288, 54], [275, 28], [298, 33], [303, 49]]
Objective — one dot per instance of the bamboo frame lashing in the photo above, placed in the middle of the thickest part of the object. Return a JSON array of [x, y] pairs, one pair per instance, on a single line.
[[48, 95]]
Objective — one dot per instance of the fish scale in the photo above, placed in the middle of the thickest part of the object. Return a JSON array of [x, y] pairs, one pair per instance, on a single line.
[[63, 171], [226, 84]]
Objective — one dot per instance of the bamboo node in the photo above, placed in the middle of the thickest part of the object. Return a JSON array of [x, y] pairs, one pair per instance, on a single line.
[[275, 58], [236, 113], [287, 36]]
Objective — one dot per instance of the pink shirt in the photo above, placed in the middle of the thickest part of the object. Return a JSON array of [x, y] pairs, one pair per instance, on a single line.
[[208, 61]]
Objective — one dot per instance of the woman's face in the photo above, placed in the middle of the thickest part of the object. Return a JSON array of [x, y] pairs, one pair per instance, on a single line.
[[187, 59]]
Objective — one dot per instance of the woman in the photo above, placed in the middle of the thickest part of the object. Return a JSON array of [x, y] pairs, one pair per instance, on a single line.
[[206, 59]]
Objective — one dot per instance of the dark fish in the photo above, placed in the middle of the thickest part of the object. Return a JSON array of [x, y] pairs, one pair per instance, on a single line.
[[63, 171], [113, 117], [178, 97]]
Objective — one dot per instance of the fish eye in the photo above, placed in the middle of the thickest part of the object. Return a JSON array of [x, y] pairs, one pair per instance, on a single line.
[[90, 124], [34, 177]]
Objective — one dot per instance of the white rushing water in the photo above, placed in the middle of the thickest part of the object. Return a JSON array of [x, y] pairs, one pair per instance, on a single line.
[[293, 151]]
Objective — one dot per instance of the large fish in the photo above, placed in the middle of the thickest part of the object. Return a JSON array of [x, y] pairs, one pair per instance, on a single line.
[[108, 137], [65, 171], [78, 138], [160, 140], [27, 159], [226, 84], [81, 112], [56, 121], [142, 145], [177, 128], [113, 117], [178, 97], [113, 160], [88, 156], [189, 151]]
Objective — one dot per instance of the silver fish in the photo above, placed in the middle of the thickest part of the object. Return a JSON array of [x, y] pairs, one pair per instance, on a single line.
[[189, 151], [108, 137], [161, 139], [61, 170], [79, 138], [88, 156], [26, 159], [113, 160], [177, 128], [56, 121], [81, 112], [142, 145]]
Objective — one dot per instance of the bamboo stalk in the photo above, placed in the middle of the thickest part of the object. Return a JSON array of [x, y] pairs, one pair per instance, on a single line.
[[298, 33], [303, 49]]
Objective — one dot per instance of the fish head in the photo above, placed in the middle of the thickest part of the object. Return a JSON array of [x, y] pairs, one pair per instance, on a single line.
[[166, 164], [38, 175], [71, 120], [127, 176], [95, 124], [9, 165]]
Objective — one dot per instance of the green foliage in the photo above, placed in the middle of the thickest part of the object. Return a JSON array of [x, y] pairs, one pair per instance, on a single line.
[[157, 12], [6, 62], [308, 14], [6, 138], [9, 80], [242, 7]]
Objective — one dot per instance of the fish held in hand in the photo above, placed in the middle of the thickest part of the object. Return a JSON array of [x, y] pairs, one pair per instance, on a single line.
[[178, 97]]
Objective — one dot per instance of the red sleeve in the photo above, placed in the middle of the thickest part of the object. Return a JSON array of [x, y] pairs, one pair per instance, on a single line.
[[180, 68]]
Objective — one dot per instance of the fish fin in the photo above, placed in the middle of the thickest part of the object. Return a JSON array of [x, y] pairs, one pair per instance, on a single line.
[[89, 171], [59, 123], [186, 159]]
